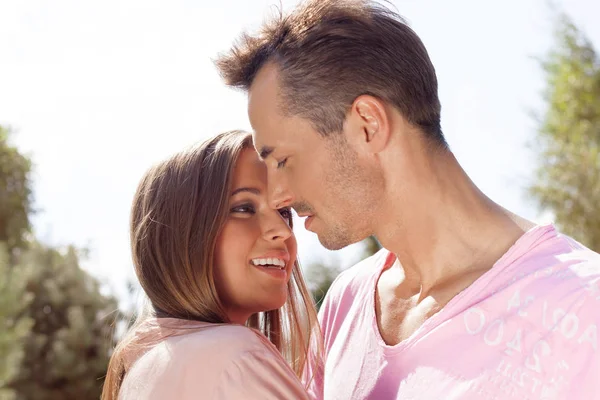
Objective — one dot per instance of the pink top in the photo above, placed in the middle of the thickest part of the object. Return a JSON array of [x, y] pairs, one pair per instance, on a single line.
[[527, 329], [178, 359]]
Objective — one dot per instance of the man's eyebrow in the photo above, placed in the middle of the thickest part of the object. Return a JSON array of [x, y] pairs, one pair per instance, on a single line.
[[265, 151]]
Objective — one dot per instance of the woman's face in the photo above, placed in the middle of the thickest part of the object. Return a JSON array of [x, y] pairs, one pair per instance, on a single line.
[[256, 249]]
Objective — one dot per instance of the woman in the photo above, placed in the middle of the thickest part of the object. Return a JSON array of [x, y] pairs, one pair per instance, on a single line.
[[227, 298]]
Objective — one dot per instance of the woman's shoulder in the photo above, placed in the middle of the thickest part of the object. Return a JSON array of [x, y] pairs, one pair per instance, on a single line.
[[224, 341], [215, 344], [198, 358]]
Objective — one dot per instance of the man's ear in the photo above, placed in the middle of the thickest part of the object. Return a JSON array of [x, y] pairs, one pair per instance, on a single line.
[[368, 125]]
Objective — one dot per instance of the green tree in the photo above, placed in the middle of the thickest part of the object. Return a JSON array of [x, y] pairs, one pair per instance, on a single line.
[[568, 138], [15, 324], [67, 350], [55, 337], [320, 275], [15, 193]]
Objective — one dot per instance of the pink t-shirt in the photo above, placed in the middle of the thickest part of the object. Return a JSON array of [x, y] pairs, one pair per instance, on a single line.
[[526, 329], [187, 360]]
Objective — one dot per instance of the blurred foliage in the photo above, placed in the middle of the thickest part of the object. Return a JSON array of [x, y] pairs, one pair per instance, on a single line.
[[55, 337], [321, 275], [15, 324], [568, 138], [68, 347], [15, 193]]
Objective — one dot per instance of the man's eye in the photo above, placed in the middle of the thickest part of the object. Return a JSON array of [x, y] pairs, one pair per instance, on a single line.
[[281, 163]]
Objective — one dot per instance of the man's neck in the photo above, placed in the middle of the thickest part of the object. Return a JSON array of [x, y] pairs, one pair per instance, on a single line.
[[448, 229]]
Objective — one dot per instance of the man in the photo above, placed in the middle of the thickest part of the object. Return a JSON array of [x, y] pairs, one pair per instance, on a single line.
[[466, 300]]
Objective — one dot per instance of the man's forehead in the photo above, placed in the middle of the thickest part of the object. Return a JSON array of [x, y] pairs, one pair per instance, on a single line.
[[263, 93], [263, 112], [283, 135], [273, 129]]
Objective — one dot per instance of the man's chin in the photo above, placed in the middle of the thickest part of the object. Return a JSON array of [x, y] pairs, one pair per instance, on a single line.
[[331, 243]]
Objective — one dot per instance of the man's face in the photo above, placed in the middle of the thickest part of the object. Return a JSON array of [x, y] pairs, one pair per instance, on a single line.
[[321, 178]]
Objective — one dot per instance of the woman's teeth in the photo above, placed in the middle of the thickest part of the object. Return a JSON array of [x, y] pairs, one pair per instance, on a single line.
[[269, 262]]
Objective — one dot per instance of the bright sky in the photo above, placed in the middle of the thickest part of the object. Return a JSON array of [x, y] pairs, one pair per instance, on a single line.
[[98, 91]]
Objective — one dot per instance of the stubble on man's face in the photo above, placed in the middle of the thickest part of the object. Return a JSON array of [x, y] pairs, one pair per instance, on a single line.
[[344, 218]]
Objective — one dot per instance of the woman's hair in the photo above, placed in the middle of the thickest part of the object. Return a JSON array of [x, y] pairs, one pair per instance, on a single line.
[[178, 211]]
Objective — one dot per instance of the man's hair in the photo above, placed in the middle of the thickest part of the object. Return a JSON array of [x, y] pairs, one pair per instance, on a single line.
[[329, 52]]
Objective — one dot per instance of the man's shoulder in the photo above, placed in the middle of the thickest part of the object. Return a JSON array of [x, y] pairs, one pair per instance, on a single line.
[[579, 271], [558, 272], [547, 253], [568, 257]]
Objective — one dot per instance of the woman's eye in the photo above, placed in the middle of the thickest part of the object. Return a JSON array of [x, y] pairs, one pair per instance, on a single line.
[[243, 209], [287, 214]]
